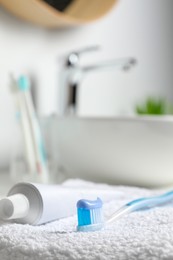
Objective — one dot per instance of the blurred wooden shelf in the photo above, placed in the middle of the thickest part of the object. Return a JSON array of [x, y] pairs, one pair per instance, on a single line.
[[78, 12]]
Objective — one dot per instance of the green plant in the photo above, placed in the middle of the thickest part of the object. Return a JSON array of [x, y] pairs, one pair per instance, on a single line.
[[154, 106]]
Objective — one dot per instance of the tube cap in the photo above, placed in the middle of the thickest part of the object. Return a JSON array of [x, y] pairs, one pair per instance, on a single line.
[[14, 207]]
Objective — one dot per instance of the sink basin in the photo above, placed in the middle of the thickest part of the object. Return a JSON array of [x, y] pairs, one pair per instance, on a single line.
[[136, 150]]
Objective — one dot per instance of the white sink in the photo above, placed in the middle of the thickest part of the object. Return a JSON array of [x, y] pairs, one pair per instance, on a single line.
[[120, 150]]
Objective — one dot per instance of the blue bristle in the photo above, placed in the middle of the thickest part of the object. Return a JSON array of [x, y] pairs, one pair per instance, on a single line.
[[90, 215], [23, 83]]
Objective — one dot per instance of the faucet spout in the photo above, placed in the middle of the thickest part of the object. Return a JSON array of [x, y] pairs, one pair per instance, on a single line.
[[78, 73], [122, 64]]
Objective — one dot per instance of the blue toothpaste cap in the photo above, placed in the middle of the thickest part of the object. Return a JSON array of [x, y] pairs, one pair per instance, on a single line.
[[90, 215]]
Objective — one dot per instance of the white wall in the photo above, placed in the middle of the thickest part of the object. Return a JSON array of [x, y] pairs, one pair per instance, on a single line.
[[139, 28]]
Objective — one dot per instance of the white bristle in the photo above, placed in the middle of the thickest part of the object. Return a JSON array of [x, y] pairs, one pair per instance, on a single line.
[[96, 216]]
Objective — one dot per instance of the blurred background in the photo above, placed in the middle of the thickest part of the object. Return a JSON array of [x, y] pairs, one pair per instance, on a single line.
[[132, 28]]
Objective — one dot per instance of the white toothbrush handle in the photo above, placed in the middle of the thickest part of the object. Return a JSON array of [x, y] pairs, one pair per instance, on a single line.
[[27, 135], [41, 164]]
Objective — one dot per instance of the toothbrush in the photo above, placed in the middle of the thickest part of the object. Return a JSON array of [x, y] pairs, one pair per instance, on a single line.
[[38, 146], [28, 144], [93, 219]]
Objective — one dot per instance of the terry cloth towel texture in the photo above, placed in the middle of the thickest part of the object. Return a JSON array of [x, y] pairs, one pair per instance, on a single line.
[[142, 235]]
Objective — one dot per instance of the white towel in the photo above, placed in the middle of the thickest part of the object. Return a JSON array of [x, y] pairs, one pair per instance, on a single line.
[[146, 234]]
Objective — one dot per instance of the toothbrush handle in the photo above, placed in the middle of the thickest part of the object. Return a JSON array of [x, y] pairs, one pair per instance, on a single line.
[[118, 214], [150, 202], [141, 203]]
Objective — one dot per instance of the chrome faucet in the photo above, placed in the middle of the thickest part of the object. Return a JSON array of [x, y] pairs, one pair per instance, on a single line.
[[73, 73]]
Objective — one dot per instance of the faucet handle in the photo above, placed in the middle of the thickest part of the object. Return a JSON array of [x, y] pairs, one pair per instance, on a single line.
[[87, 49], [73, 57]]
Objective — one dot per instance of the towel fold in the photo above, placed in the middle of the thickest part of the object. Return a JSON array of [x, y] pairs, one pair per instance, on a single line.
[[146, 234]]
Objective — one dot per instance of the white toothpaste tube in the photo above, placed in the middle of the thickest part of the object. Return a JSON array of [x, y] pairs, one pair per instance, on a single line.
[[35, 204]]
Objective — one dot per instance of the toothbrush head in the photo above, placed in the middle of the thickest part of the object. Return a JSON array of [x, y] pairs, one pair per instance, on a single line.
[[23, 83], [90, 215]]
